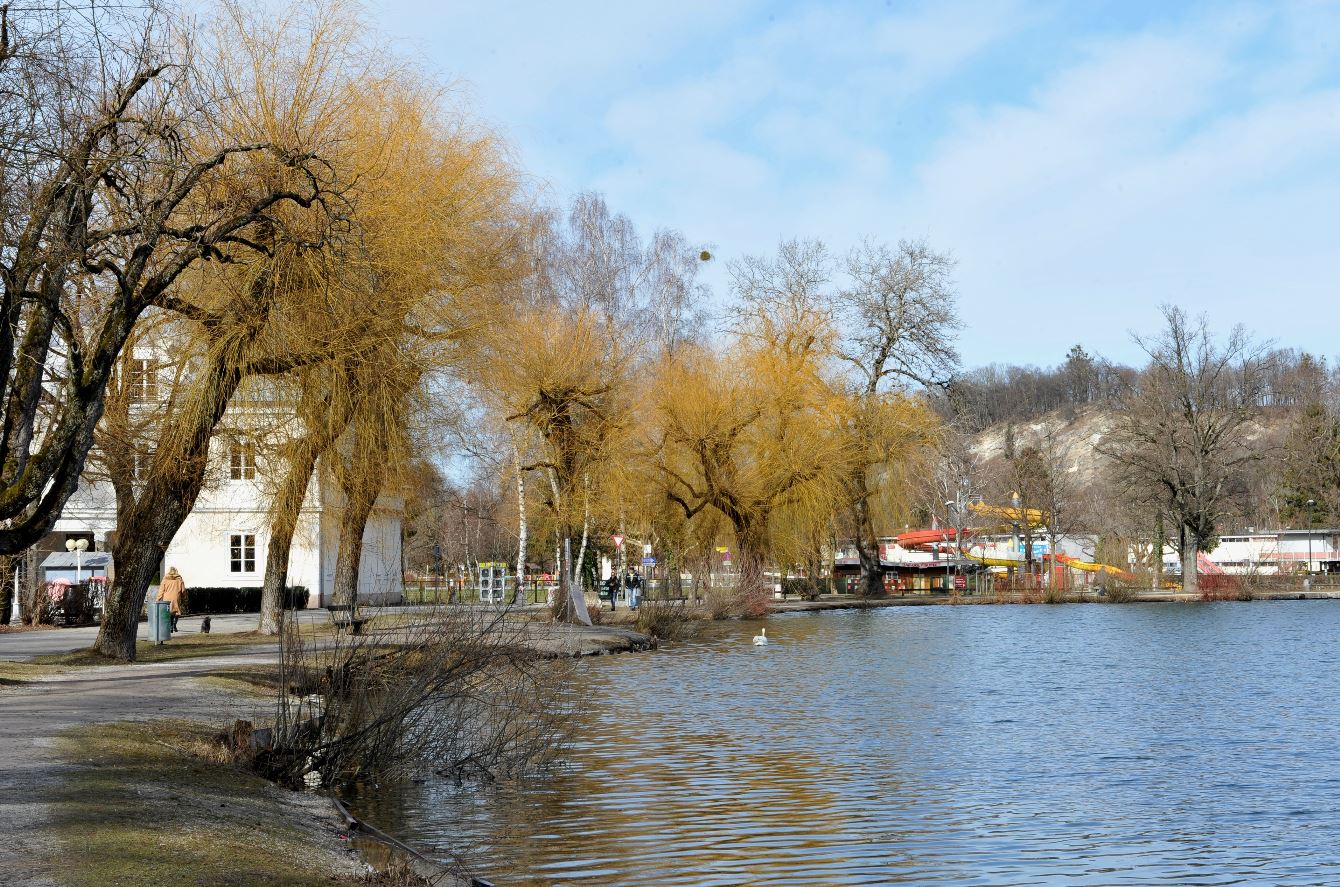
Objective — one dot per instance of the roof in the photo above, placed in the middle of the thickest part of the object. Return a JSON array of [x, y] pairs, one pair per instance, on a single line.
[[851, 563], [66, 560]]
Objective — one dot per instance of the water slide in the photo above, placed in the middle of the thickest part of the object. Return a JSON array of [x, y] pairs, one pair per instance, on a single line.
[[1091, 567], [993, 561], [920, 538], [1008, 514]]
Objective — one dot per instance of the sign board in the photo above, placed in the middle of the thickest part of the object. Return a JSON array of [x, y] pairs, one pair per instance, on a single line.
[[618, 540], [960, 582], [649, 562]]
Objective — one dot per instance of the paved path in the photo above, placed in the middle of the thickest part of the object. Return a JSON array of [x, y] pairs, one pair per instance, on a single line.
[[31, 715], [17, 646], [20, 645]]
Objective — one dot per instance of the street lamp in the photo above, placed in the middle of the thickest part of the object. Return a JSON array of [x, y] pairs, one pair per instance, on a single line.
[[1311, 504], [78, 547]]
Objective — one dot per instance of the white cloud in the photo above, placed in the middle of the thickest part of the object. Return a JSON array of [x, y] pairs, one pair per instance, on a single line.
[[1184, 162]]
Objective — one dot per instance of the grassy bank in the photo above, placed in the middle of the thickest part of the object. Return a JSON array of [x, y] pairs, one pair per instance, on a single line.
[[157, 804], [182, 646]]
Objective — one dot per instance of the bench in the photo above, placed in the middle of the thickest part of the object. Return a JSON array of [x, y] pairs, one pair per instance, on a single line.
[[345, 616]]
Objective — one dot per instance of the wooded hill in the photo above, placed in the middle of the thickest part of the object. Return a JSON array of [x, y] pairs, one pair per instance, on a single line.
[[1057, 424]]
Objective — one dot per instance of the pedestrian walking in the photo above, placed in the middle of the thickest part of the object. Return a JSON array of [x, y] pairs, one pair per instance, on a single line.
[[173, 590]]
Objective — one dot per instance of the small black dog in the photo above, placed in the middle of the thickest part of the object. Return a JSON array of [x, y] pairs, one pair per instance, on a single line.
[[204, 625]]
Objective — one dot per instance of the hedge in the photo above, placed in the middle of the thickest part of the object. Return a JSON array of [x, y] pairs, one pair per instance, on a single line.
[[238, 600]]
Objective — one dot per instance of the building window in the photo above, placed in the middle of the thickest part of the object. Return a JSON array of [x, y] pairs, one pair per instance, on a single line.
[[143, 381], [139, 467], [242, 553], [242, 460]]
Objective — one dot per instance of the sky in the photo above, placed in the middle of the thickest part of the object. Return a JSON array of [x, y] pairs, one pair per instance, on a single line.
[[1084, 163]]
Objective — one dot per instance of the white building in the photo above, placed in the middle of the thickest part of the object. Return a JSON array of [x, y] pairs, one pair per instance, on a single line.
[[1279, 551], [223, 541]]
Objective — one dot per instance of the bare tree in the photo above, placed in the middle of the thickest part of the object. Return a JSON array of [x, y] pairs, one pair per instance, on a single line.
[[112, 187], [897, 319], [1181, 434]]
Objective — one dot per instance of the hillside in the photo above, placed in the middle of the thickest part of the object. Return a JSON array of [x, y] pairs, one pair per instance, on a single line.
[[1070, 438]]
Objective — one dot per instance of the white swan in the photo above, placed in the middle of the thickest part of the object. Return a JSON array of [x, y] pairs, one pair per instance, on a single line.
[[761, 639]]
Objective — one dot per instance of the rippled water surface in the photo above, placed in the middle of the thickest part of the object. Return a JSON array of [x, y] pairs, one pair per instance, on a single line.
[[1080, 744]]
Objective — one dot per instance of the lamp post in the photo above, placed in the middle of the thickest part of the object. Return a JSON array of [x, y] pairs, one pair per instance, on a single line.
[[1311, 504], [78, 546]]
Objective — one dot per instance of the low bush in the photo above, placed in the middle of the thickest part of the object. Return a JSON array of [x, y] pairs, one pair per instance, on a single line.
[[1055, 594], [663, 621], [1118, 594], [804, 588]]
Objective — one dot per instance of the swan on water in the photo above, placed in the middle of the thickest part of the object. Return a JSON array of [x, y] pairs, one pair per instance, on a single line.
[[761, 639]]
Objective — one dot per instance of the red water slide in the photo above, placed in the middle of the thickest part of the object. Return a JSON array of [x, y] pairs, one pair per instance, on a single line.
[[921, 538]]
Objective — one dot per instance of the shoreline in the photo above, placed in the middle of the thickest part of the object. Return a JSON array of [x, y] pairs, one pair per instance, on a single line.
[[850, 602]]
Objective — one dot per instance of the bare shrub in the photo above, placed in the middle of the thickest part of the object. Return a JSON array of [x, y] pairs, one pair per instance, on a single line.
[[1119, 594], [455, 692], [722, 603], [664, 621], [1055, 594]]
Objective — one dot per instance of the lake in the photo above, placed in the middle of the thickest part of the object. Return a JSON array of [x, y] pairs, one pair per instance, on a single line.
[[1076, 744]]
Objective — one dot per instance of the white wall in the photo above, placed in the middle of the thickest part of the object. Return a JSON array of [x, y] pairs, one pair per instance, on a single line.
[[379, 575]]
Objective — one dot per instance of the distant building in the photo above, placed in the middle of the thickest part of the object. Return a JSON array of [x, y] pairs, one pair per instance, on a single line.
[[1273, 552]]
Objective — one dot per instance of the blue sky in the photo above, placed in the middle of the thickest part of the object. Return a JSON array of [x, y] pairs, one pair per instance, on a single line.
[[1083, 162]]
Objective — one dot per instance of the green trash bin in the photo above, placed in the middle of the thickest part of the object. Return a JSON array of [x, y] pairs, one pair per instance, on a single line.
[[160, 621]]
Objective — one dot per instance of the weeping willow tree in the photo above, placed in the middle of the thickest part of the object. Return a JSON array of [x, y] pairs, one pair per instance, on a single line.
[[754, 432], [562, 374], [600, 303], [437, 235], [327, 284], [753, 435]]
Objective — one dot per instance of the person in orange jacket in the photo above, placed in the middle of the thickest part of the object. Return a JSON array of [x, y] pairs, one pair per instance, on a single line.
[[173, 590]]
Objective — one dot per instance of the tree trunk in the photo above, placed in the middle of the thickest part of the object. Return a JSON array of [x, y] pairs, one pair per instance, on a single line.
[[136, 566], [867, 545], [580, 565], [145, 528], [570, 606], [33, 601], [1157, 548], [357, 508], [867, 552], [752, 594], [7, 573], [519, 597], [283, 524], [1190, 577]]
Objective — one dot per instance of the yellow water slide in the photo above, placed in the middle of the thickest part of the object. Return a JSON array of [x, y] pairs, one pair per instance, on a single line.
[[1095, 568], [1008, 514]]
